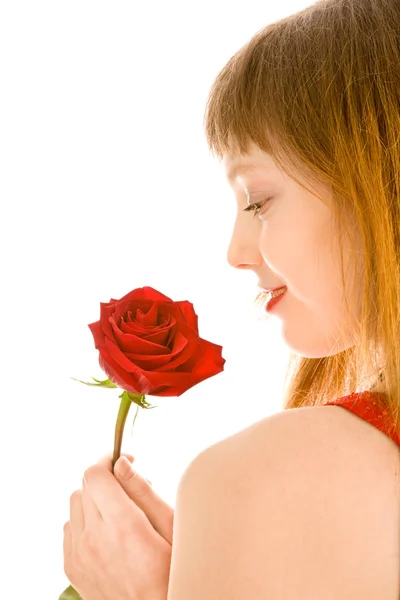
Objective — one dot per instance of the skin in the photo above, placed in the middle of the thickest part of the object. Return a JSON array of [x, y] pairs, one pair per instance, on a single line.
[[291, 243], [118, 541]]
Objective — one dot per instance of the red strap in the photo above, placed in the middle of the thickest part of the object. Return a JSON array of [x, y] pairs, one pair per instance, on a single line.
[[368, 406]]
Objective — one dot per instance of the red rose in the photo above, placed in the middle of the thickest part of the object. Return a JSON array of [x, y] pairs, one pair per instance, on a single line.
[[149, 344]]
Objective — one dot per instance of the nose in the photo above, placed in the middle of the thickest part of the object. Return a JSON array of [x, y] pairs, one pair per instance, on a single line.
[[243, 250]]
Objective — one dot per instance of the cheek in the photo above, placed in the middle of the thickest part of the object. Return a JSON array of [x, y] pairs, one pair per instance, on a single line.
[[301, 256], [287, 248]]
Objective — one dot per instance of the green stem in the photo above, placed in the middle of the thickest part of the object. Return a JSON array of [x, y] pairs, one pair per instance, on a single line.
[[126, 401]]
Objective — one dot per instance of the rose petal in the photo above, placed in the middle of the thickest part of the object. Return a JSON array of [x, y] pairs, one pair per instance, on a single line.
[[189, 314], [132, 343]]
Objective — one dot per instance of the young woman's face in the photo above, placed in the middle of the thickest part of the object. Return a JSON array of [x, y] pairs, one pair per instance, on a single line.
[[291, 243]]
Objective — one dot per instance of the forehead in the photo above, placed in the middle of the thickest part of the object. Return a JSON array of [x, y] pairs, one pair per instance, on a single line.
[[237, 164], [234, 170]]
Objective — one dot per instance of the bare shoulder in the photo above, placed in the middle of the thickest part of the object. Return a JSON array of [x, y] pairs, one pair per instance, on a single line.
[[305, 505]]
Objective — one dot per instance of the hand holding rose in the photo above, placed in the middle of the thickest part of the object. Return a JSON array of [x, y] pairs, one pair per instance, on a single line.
[[118, 542]]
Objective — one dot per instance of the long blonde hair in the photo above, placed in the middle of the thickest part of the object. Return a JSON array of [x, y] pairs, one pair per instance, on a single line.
[[319, 91]]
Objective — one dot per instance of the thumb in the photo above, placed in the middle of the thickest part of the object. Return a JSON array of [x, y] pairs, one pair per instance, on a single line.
[[106, 461], [139, 489]]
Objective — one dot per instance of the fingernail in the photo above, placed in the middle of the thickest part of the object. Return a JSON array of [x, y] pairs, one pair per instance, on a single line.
[[123, 467]]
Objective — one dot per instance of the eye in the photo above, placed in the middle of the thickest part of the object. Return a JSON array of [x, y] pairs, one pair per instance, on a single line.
[[256, 206]]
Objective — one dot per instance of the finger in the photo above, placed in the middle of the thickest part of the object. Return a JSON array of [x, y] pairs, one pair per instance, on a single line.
[[67, 541], [158, 512], [108, 496], [106, 460], [77, 518], [92, 515]]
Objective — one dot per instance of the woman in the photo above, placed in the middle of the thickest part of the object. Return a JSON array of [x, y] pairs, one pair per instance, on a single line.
[[305, 120]]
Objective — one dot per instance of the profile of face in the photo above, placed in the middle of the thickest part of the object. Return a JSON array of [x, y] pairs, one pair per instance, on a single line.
[[291, 242]]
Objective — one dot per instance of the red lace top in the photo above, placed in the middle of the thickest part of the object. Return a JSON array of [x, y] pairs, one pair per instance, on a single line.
[[368, 406]]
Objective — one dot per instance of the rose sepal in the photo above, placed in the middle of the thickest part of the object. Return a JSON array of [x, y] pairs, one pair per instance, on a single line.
[[107, 383], [139, 399]]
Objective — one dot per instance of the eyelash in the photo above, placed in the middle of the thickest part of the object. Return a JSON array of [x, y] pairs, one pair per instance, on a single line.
[[256, 207]]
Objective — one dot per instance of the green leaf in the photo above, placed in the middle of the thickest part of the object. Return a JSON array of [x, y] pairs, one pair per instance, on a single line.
[[70, 594], [107, 383]]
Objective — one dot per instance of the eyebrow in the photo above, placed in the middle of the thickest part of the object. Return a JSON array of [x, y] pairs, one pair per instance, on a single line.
[[235, 171]]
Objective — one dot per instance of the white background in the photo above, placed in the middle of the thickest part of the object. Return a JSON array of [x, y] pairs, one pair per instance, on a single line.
[[108, 185]]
